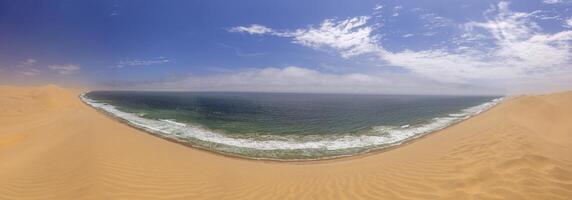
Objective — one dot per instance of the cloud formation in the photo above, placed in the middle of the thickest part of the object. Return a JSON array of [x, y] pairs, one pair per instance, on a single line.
[[396, 10], [434, 21], [299, 79], [519, 49], [65, 69], [28, 62], [506, 48], [552, 1], [30, 72], [27, 67], [349, 37], [252, 29], [568, 23], [143, 62]]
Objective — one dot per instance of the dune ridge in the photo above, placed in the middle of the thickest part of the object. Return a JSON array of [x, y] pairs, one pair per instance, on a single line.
[[54, 147]]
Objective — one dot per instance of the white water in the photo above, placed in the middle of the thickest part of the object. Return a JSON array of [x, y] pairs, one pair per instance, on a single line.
[[382, 135]]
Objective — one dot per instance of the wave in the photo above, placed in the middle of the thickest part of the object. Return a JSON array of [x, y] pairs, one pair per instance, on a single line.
[[289, 147]]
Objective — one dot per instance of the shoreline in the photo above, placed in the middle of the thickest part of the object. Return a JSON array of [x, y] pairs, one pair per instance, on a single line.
[[54, 146], [364, 153]]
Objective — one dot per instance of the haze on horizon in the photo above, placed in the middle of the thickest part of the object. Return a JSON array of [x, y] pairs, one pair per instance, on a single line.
[[389, 47]]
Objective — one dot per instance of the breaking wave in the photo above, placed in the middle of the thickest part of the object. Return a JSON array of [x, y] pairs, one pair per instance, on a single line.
[[289, 147]]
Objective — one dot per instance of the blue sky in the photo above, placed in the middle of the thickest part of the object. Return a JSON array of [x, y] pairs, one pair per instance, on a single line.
[[428, 47]]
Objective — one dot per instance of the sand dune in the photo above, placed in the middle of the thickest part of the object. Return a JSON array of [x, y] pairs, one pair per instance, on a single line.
[[54, 147]]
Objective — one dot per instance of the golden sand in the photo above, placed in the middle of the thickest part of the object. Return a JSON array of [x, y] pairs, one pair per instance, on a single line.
[[54, 147]]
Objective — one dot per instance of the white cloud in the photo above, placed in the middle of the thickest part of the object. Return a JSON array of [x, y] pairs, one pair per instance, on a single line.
[[252, 29], [519, 49], [433, 21], [297, 79], [29, 62], [378, 7], [396, 10], [568, 23], [26, 67], [143, 62], [30, 67], [30, 72], [65, 69], [545, 15], [408, 35], [552, 1], [350, 37]]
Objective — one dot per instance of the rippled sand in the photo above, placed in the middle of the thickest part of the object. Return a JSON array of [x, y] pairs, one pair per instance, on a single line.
[[54, 147]]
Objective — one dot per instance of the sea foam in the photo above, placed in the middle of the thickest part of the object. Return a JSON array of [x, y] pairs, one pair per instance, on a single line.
[[377, 137]]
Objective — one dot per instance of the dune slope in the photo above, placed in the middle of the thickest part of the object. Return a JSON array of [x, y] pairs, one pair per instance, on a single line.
[[54, 147]]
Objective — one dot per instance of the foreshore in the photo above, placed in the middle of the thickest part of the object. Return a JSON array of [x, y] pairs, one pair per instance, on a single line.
[[171, 133], [52, 146]]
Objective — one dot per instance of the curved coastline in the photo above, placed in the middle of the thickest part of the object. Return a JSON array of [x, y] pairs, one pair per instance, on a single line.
[[56, 147], [287, 150]]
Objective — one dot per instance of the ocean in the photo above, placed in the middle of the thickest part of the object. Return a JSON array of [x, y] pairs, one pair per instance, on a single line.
[[287, 126]]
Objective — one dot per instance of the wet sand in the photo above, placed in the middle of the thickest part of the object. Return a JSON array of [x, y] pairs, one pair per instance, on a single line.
[[52, 146]]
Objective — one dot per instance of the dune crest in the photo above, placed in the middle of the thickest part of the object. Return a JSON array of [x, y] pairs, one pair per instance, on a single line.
[[54, 147]]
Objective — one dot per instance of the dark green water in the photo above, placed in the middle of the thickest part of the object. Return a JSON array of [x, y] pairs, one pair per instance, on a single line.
[[299, 114], [287, 125]]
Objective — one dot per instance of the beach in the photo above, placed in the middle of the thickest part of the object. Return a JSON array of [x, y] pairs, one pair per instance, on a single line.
[[52, 146]]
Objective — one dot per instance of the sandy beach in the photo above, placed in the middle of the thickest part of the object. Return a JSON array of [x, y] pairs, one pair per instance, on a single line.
[[52, 146]]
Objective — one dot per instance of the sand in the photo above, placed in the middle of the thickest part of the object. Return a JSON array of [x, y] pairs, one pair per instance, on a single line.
[[52, 146]]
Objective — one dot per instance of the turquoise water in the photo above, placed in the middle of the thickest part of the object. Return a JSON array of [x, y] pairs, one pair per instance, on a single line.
[[287, 126]]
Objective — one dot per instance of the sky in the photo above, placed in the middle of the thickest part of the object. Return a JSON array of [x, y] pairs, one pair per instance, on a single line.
[[322, 46]]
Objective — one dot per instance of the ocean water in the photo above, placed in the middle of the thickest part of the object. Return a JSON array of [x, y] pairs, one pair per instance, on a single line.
[[284, 125]]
